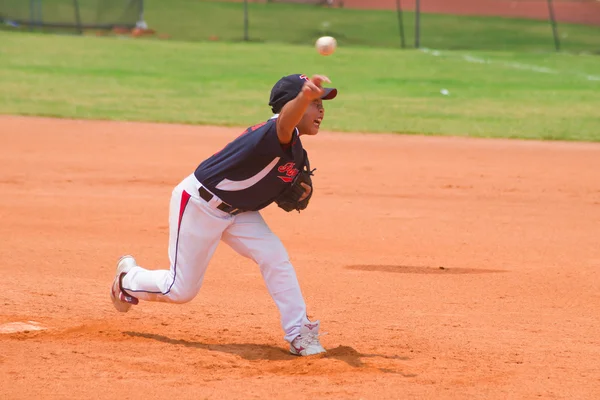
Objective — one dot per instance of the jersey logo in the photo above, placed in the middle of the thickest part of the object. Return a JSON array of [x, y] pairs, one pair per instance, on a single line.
[[289, 170]]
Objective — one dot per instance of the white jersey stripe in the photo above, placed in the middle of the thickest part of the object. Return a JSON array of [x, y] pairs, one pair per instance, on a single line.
[[232, 186]]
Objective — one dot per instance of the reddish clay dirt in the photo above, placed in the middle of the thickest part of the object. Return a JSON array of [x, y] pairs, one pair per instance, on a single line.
[[446, 268], [574, 11]]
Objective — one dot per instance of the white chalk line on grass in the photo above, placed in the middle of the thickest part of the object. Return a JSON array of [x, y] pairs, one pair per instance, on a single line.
[[514, 65]]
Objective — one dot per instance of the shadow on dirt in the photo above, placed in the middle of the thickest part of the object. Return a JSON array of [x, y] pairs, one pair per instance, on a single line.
[[354, 358], [252, 352], [247, 351], [406, 269]]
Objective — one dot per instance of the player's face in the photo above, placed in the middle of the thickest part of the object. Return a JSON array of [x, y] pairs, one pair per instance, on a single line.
[[311, 121]]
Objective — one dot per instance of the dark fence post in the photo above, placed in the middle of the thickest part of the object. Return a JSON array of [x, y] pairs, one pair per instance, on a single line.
[[553, 23], [40, 16], [141, 14], [417, 23], [400, 23], [246, 36], [31, 13], [77, 16]]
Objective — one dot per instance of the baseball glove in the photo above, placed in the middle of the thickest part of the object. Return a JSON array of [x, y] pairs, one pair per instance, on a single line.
[[289, 200]]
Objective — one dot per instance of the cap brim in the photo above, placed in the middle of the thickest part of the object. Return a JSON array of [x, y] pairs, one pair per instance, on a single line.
[[329, 94]]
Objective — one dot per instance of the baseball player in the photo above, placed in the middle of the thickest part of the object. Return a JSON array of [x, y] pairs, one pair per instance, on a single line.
[[221, 200]]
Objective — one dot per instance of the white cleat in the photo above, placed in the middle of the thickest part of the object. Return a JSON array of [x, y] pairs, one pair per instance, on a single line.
[[121, 300], [307, 343]]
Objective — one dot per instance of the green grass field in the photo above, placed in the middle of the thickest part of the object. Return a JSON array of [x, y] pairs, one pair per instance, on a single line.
[[496, 94]]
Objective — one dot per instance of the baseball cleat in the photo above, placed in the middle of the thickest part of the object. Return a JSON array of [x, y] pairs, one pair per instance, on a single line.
[[121, 300], [307, 343]]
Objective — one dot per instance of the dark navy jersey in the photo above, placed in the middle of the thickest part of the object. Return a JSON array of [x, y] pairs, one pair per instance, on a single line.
[[252, 170]]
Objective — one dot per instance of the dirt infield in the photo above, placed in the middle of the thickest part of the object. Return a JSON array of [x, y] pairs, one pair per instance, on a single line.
[[444, 268], [574, 11]]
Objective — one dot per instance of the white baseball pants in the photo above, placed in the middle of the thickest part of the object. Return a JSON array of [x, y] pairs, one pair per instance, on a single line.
[[196, 227]]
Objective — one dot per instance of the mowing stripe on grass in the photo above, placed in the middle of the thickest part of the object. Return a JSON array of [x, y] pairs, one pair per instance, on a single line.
[[526, 67]]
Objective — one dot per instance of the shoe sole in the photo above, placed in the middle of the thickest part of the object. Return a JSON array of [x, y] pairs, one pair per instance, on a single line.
[[294, 352], [120, 300], [307, 355]]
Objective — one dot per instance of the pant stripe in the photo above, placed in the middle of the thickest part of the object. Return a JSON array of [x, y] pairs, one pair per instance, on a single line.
[[185, 198]]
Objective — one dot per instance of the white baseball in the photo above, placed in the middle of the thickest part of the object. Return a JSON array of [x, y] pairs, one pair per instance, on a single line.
[[326, 45]]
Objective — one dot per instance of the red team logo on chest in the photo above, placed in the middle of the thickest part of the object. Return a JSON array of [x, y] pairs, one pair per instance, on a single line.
[[289, 170]]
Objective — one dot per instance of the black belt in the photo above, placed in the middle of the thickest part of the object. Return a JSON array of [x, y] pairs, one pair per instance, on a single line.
[[207, 196]]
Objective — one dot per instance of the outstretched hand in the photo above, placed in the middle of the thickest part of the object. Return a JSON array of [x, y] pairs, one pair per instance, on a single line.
[[312, 88]]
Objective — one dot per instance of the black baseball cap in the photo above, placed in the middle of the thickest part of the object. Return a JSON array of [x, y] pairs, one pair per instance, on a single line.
[[288, 87]]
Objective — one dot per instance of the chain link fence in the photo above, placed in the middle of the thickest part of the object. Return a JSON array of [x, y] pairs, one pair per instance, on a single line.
[[528, 25], [504, 25], [72, 14]]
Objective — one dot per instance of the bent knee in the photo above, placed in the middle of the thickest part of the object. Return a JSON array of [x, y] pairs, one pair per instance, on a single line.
[[281, 269], [273, 258], [181, 295]]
